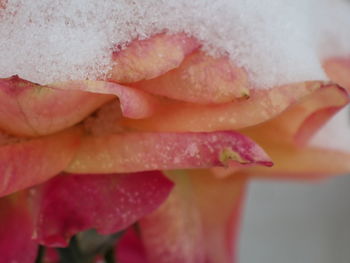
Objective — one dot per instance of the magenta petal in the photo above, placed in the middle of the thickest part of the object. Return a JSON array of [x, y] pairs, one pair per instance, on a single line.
[[109, 203], [16, 226], [130, 248], [51, 255]]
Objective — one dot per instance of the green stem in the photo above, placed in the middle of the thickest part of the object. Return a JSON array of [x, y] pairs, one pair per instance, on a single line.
[[40, 255], [72, 253], [110, 256]]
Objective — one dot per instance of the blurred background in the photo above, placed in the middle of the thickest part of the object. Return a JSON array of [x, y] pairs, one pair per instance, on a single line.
[[296, 222]]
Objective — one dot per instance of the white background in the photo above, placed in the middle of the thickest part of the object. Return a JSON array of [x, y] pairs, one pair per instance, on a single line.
[[289, 222]]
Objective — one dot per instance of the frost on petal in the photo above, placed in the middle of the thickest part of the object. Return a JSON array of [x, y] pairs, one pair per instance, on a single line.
[[261, 106], [130, 152], [135, 104], [29, 162], [146, 59], [109, 203], [16, 226], [29, 109], [201, 79], [198, 222], [338, 69]]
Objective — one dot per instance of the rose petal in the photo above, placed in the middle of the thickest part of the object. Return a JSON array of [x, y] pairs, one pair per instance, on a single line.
[[306, 162], [335, 133], [220, 223], [146, 59], [135, 104], [31, 162], [333, 101], [3, 4], [36, 110], [198, 223], [130, 249], [298, 123], [109, 203], [285, 138], [130, 152], [200, 79], [338, 69], [293, 162], [51, 255], [16, 226], [261, 106]]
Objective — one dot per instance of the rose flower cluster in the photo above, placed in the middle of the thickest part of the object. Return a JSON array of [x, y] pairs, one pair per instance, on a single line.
[[161, 149]]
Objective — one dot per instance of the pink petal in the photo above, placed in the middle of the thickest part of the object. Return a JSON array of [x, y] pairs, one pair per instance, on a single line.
[[197, 222], [261, 106], [338, 69], [333, 101], [36, 110], [16, 226], [300, 121], [146, 59], [31, 162], [135, 104], [130, 152], [200, 79], [109, 203], [303, 163], [3, 4], [335, 134], [286, 138]]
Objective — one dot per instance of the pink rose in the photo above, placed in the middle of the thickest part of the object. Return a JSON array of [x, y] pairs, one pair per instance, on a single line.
[[89, 154]]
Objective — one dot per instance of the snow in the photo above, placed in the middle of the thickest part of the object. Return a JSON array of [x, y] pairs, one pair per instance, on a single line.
[[277, 42]]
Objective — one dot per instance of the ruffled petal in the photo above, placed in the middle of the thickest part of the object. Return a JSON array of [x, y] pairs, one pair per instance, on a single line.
[[198, 223], [36, 110], [333, 100], [201, 79], [338, 69], [335, 133], [146, 59], [31, 162], [261, 106], [109, 203], [16, 226], [286, 138], [135, 104], [299, 123], [130, 152]]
